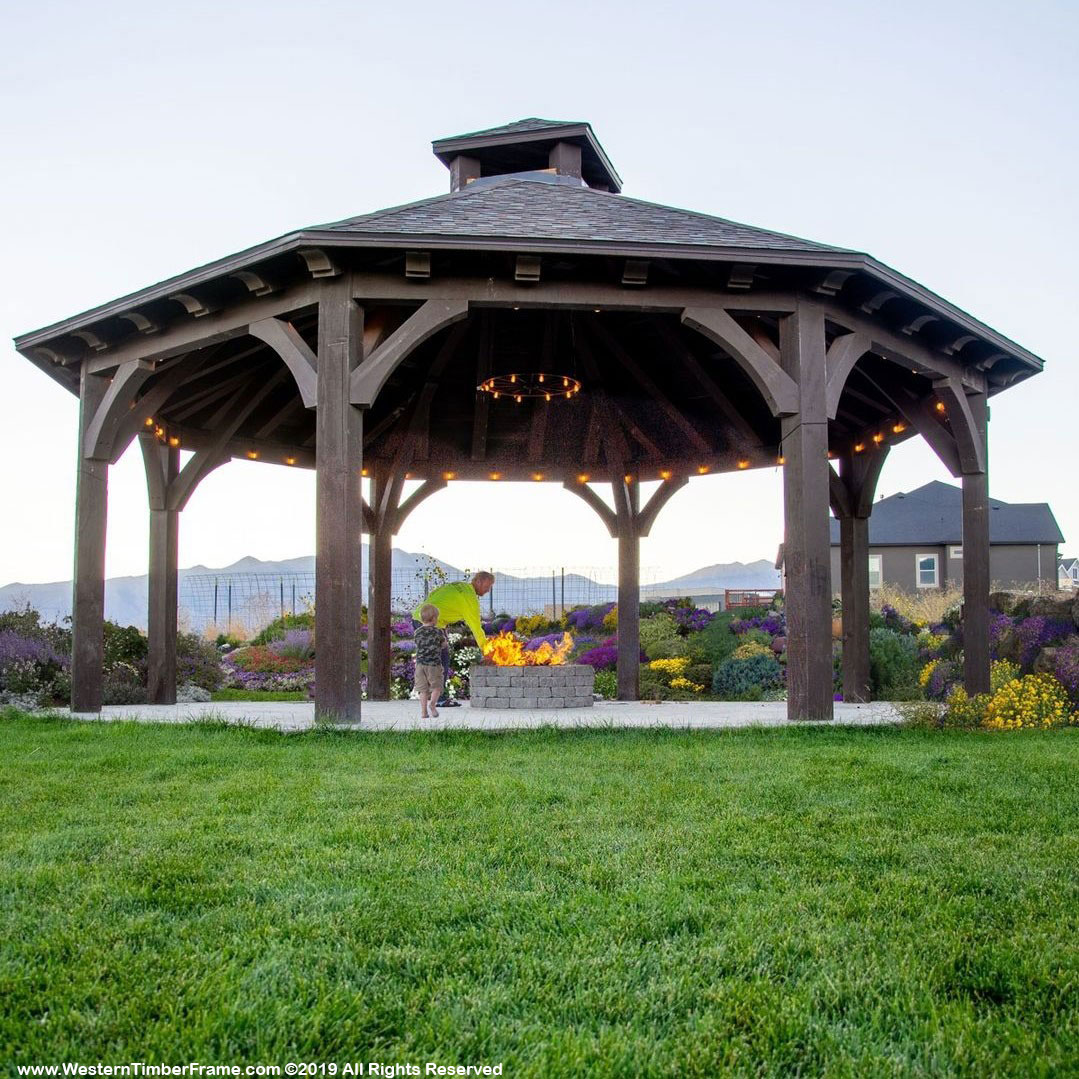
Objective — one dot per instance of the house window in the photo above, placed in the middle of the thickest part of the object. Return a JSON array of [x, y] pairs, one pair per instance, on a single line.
[[955, 552], [875, 573], [926, 571]]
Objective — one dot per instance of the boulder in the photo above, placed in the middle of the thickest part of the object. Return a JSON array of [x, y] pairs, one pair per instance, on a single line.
[[1002, 601], [1045, 662], [1050, 607]]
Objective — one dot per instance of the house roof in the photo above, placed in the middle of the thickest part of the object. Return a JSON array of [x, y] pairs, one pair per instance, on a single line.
[[933, 515], [1068, 563]]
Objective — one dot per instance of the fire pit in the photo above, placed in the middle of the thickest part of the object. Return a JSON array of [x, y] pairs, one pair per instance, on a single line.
[[517, 678]]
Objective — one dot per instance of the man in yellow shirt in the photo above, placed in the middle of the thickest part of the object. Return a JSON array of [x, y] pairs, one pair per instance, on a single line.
[[458, 601]]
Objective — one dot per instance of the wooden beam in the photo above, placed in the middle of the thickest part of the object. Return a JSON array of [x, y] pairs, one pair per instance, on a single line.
[[976, 562], [162, 467], [294, 351], [779, 390], [186, 336], [607, 341], [744, 436], [370, 376], [962, 424]]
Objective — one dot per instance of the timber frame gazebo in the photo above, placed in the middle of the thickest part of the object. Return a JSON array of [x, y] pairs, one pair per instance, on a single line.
[[359, 348]]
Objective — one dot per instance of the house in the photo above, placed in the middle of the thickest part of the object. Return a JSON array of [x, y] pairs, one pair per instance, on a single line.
[[916, 541], [1068, 574]]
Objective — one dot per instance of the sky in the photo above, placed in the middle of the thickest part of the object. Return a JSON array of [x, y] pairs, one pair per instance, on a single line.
[[142, 140]]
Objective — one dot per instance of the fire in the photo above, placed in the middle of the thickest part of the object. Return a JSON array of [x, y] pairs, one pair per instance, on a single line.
[[506, 650]]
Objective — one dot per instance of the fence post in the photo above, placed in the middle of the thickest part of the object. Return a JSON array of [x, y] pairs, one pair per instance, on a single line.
[[563, 603], [229, 630], [215, 603]]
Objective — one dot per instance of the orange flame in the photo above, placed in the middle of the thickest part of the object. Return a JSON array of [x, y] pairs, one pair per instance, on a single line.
[[506, 650]]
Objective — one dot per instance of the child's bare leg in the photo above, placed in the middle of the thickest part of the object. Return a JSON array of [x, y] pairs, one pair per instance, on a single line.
[[434, 701]]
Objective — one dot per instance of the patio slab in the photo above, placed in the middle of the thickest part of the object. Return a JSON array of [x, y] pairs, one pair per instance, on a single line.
[[404, 715]]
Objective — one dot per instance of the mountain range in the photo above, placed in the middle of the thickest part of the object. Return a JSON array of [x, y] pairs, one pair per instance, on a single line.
[[250, 592]]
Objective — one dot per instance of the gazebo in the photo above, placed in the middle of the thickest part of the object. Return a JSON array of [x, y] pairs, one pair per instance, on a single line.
[[532, 324]]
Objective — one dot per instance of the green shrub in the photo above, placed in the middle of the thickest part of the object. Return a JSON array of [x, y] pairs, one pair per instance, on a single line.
[[607, 684], [714, 643], [734, 678], [893, 663], [280, 626], [659, 637], [701, 673], [124, 644], [123, 683]]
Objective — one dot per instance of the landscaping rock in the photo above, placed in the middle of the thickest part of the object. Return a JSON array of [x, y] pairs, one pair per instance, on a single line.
[[189, 693], [1002, 601]]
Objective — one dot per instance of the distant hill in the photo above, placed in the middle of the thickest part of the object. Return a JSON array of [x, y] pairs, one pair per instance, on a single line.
[[258, 590]]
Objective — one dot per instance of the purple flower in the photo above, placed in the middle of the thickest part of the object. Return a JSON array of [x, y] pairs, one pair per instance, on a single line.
[[775, 625], [603, 658], [1035, 633], [403, 646], [691, 619], [553, 639], [401, 628], [15, 647], [1067, 670]]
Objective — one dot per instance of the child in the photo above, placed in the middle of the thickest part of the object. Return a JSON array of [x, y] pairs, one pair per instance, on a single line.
[[430, 677]]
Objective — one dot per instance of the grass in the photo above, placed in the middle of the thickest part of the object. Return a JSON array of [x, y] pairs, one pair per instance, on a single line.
[[822, 901], [258, 695]]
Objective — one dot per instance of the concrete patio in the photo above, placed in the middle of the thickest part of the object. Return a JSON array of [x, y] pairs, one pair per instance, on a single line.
[[404, 715]]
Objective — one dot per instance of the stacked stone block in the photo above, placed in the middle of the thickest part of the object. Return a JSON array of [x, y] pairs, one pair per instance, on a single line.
[[567, 686]]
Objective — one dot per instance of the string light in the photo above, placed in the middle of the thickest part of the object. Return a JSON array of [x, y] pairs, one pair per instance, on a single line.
[[859, 446], [253, 454], [149, 421], [547, 396], [449, 475], [583, 477], [665, 474], [878, 438], [743, 463], [290, 460], [781, 460], [940, 407], [537, 476], [628, 478], [899, 428], [174, 441], [518, 398], [702, 469], [363, 471], [542, 376], [496, 475]]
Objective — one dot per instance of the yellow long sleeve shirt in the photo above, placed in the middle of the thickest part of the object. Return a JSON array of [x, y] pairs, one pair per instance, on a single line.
[[457, 602]]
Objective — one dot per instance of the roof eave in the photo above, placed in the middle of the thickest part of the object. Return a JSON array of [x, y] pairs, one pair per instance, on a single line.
[[825, 259]]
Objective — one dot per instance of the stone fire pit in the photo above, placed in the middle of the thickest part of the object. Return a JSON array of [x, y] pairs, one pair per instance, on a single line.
[[567, 685]]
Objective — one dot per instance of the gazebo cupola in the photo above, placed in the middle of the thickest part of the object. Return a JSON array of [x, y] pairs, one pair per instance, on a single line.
[[539, 149]]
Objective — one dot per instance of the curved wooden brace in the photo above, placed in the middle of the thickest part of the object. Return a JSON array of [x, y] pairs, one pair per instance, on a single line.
[[590, 498], [961, 420], [421, 494], [838, 495], [154, 462], [91, 340], [660, 497], [843, 353], [115, 407], [778, 389], [295, 353], [371, 374], [191, 475]]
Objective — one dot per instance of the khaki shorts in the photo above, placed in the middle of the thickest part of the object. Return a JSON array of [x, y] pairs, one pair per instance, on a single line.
[[430, 678]]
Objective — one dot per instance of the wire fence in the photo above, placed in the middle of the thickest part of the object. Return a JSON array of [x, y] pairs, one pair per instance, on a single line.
[[243, 603]]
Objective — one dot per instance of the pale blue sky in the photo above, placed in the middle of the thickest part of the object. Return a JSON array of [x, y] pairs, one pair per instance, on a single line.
[[142, 141]]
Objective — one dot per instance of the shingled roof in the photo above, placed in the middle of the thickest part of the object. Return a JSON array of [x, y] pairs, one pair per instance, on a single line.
[[547, 207], [933, 516]]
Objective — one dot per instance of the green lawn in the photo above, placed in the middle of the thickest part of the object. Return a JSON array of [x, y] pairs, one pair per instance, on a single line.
[[823, 901]]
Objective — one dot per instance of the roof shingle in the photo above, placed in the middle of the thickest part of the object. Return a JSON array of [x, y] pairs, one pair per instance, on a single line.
[[540, 207]]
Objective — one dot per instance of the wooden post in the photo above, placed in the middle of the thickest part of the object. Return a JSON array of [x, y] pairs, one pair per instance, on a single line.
[[338, 506], [976, 561], [854, 573], [88, 590], [380, 563], [161, 590], [807, 542], [629, 592]]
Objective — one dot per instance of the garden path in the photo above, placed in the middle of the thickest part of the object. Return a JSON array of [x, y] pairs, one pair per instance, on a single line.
[[404, 715]]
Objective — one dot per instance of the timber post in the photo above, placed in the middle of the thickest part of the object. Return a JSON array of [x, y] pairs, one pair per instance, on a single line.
[[88, 589], [627, 507], [162, 579], [976, 584], [807, 543], [338, 506]]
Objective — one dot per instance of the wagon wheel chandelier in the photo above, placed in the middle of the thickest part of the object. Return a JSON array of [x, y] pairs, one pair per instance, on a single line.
[[535, 385]]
